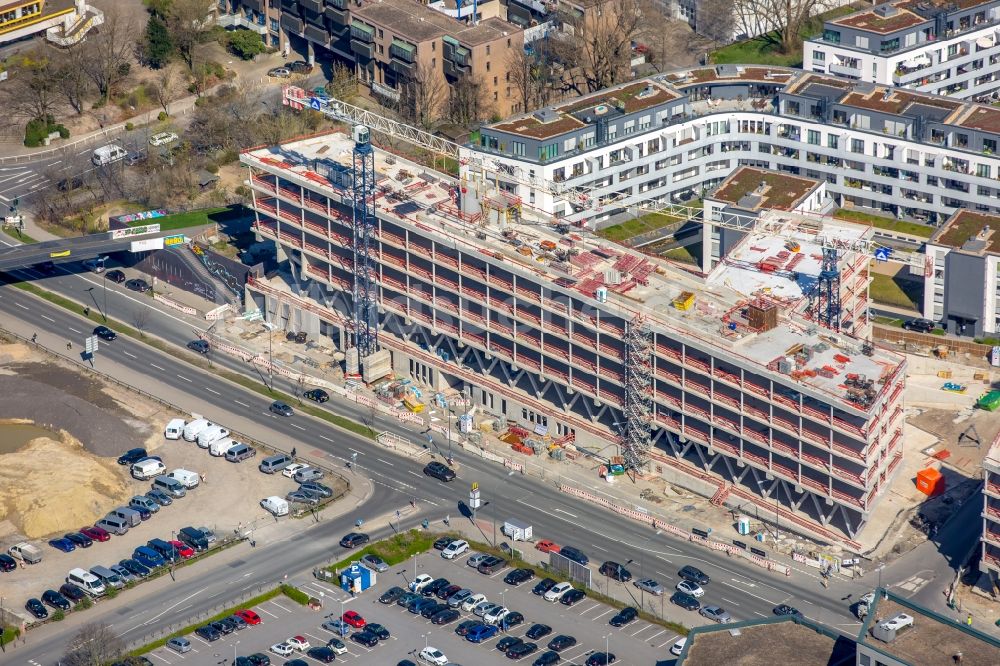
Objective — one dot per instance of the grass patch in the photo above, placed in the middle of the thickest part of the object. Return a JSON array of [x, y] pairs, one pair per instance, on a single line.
[[218, 616], [887, 223], [689, 254], [195, 218], [394, 550], [23, 237], [634, 227], [900, 293], [9, 635], [888, 321]]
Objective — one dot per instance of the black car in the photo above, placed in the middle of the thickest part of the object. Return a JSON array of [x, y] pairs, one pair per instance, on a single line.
[[280, 408], [407, 598], [208, 633], [507, 642], [56, 600], [518, 576], [225, 625], [446, 616], [434, 586], [537, 631], [574, 554], [131, 456], [105, 333], [406, 662], [465, 627], [685, 601], [785, 609], [543, 586], [431, 610], [238, 622], [79, 540], [547, 659], [115, 276], [572, 596], [316, 488], [444, 592], [624, 616], [512, 619], [259, 659], [601, 659], [7, 563], [694, 574], [137, 284], [200, 346], [72, 592], [135, 568], [297, 662], [379, 630], [354, 539], [35, 607], [322, 653], [561, 642], [439, 471], [365, 638], [616, 571], [522, 650], [919, 325], [298, 67], [391, 595], [160, 497], [319, 395], [443, 542], [491, 565]]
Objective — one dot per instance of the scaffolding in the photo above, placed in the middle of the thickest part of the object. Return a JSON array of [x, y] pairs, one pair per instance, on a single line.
[[365, 292], [828, 291], [638, 403]]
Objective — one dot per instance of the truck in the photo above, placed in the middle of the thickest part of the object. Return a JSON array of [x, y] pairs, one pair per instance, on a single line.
[[25, 552], [516, 530]]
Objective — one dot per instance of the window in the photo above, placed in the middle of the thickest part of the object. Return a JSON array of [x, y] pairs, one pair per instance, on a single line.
[[819, 56], [487, 49], [890, 45], [507, 76], [832, 36], [629, 127], [990, 145], [861, 42], [434, 62], [644, 123], [494, 80], [857, 145], [508, 42], [434, 46], [381, 50], [495, 96], [548, 152], [983, 170], [381, 35], [813, 137], [487, 65], [517, 147], [274, 25], [831, 141]]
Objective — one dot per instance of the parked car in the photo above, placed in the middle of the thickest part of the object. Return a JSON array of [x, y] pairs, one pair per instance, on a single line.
[[137, 284], [919, 325], [601, 659], [687, 587], [379, 630], [375, 563], [561, 642], [115, 276], [439, 471], [95, 533], [134, 568], [35, 607], [280, 408], [208, 632], [279, 72], [316, 488], [182, 549], [160, 497], [537, 631], [162, 138], [444, 593], [491, 565], [391, 595], [650, 586], [72, 592], [454, 549], [131, 456], [522, 650], [556, 592], [317, 395], [512, 619], [434, 586], [56, 600], [298, 67], [481, 633], [507, 642], [79, 539], [466, 626], [7, 563], [200, 346], [321, 654], [445, 616], [366, 638], [63, 544], [574, 554], [354, 619], [250, 617], [615, 571], [518, 576], [123, 573], [337, 626], [299, 643], [685, 601], [301, 497], [624, 616], [179, 644], [459, 597], [442, 542], [433, 655], [547, 659], [547, 546], [716, 613], [281, 649], [571, 597], [543, 586]]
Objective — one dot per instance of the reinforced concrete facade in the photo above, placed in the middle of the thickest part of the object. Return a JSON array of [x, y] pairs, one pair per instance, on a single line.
[[749, 397], [990, 561], [945, 47], [676, 136]]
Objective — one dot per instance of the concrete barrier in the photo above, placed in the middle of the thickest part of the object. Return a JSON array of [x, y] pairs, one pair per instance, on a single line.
[[170, 303]]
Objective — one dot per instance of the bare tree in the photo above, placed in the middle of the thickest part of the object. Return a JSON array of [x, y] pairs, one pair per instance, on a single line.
[[187, 21], [140, 318], [343, 83], [467, 101], [74, 84], [716, 19], [598, 47], [108, 53], [423, 96], [93, 645], [784, 19], [31, 91], [163, 88]]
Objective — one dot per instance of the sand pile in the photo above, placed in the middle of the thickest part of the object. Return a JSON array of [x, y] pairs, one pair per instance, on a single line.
[[52, 486]]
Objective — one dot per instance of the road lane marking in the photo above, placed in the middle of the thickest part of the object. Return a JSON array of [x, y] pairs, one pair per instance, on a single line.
[[129, 355], [241, 403], [183, 377], [212, 391], [48, 318], [23, 307], [728, 601], [410, 471], [75, 331], [571, 515], [326, 438], [773, 603], [169, 608], [295, 425], [386, 462], [157, 367], [598, 548]]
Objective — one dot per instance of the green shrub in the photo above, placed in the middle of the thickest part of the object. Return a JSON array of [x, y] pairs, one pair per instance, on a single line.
[[295, 594], [111, 592], [938, 331], [9, 635], [58, 616], [129, 127], [161, 116], [85, 603], [38, 129], [243, 191]]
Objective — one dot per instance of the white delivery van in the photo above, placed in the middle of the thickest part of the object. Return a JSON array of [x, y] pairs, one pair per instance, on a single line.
[[108, 154], [188, 478], [276, 505], [174, 429], [147, 469], [210, 434], [194, 428], [87, 581], [219, 446]]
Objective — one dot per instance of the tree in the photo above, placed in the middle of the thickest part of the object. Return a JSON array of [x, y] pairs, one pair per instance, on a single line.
[[716, 20], [32, 89], [246, 44], [467, 102], [93, 645], [162, 89], [423, 95], [187, 21], [73, 83], [343, 83], [108, 52], [140, 318], [533, 77], [157, 46], [599, 50], [781, 20]]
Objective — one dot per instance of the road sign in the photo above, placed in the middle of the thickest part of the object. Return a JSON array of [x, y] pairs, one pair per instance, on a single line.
[[91, 344], [315, 103], [883, 253]]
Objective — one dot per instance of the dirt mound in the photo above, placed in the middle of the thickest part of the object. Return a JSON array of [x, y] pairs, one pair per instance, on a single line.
[[38, 502]]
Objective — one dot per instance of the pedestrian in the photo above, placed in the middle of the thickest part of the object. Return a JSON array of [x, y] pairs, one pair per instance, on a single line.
[[34, 337], [968, 619], [293, 451], [86, 311], [447, 520], [69, 346], [203, 479]]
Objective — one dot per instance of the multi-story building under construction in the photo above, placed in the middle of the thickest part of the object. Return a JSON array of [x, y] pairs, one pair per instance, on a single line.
[[714, 379]]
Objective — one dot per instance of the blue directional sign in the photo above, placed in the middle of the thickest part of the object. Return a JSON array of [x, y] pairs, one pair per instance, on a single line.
[[315, 103], [883, 253]]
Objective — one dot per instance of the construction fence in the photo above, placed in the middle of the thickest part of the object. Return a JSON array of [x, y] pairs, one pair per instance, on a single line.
[[912, 341]]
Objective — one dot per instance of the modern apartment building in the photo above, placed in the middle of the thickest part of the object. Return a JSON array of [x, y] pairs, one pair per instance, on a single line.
[[946, 47], [990, 561], [961, 287], [674, 136], [746, 393], [64, 22], [390, 41]]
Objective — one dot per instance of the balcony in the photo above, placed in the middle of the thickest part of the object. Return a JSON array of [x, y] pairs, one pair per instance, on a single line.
[[405, 69], [317, 35], [291, 23], [853, 71], [312, 5], [337, 4], [337, 17], [362, 33], [462, 56], [402, 51]]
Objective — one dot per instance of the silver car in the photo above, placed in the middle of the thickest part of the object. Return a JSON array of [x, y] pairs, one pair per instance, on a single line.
[[476, 559], [374, 562], [179, 644], [457, 599], [650, 586], [716, 613]]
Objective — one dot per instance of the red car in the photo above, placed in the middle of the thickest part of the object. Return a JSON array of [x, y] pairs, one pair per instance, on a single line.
[[352, 618], [183, 549], [95, 533], [547, 546], [249, 616]]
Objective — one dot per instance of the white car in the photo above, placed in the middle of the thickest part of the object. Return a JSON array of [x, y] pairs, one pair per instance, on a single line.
[[162, 138], [678, 646], [433, 655], [337, 646], [292, 469], [473, 601], [454, 549], [420, 582], [298, 642], [693, 589], [281, 649], [495, 615], [559, 589]]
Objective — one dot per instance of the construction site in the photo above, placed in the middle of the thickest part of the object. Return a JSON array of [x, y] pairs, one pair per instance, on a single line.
[[745, 378]]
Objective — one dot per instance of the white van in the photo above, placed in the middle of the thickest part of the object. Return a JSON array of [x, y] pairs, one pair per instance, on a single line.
[[174, 429], [147, 469], [209, 435], [108, 154], [195, 428], [87, 581], [219, 446], [276, 505], [188, 478]]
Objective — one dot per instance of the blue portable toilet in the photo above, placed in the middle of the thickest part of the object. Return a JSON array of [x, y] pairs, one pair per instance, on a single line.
[[356, 578]]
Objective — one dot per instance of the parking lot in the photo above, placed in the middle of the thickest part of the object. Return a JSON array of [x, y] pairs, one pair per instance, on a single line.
[[636, 643], [213, 504]]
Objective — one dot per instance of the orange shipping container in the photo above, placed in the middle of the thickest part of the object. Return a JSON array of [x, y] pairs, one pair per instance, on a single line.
[[930, 482]]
